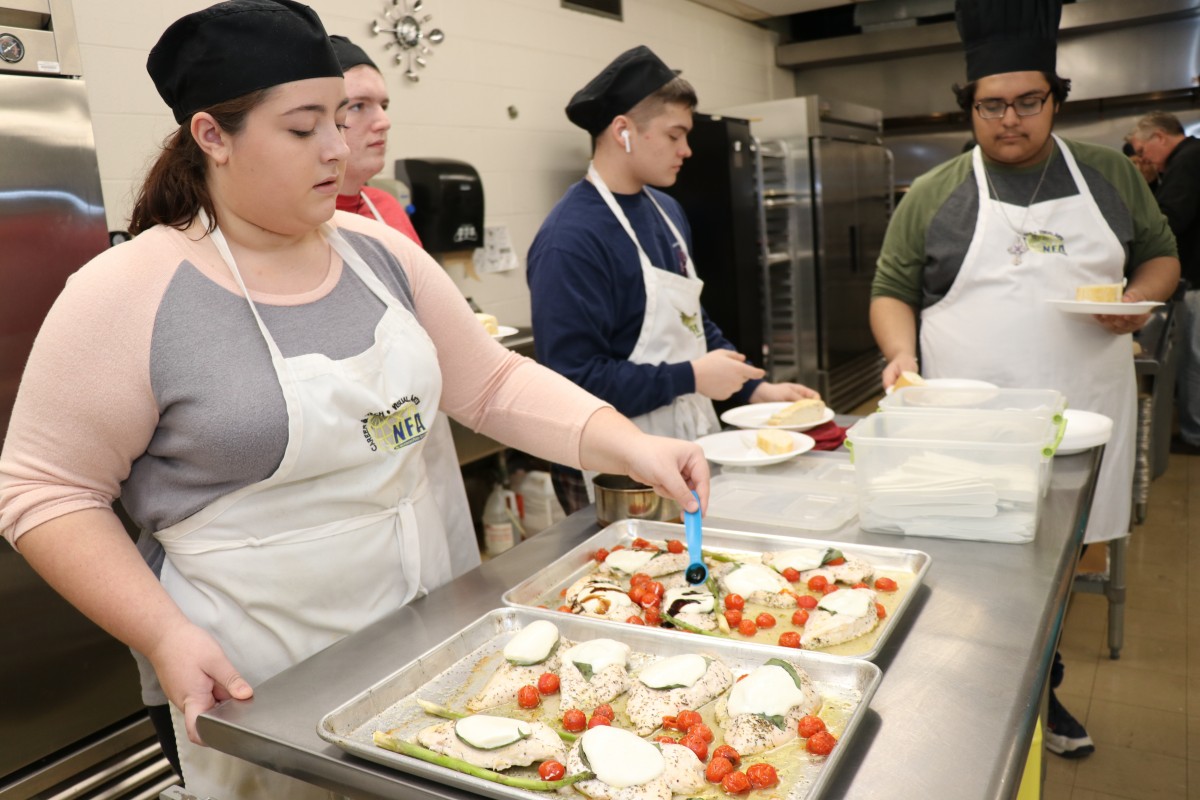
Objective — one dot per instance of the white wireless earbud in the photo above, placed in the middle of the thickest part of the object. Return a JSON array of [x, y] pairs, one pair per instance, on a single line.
[[625, 136]]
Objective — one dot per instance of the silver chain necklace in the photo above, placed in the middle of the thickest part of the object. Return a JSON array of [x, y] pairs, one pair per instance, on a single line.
[[1018, 247]]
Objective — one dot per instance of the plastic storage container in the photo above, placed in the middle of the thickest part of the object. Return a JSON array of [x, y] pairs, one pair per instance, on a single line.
[[960, 475], [1046, 403]]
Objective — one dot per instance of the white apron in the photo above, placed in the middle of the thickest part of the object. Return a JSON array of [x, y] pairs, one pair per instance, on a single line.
[[672, 331], [345, 530], [995, 325], [445, 476]]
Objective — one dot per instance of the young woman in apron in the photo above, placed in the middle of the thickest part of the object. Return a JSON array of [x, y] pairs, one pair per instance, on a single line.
[[345, 528]]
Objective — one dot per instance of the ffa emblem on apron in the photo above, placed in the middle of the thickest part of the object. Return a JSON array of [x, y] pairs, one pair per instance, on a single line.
[[394, 429], [692, 323]]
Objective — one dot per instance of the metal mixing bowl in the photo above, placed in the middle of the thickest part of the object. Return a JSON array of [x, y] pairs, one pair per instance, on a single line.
[[619, 497]]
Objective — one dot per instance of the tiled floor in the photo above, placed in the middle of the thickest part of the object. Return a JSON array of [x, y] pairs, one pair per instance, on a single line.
[[1143, 710]]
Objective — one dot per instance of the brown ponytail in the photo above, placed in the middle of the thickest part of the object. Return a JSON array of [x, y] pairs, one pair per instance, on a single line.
[[176, 187]]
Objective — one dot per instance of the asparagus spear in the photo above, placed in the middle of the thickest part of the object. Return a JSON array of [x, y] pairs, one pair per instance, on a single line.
[[449, 713], [396, 745], [685, 626], [715, 556]]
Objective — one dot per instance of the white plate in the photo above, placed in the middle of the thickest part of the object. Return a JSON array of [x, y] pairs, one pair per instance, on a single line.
[[503, 330], [1086, 307], [951, 383], [756, 415], [738, 448], [1085, 430]]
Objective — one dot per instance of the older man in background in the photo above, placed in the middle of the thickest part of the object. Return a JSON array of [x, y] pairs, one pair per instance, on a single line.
[[1159, 139]]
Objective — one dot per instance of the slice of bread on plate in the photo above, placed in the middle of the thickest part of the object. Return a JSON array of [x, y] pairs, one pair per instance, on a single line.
[[801, 412], [774, 443], [1099, 293]]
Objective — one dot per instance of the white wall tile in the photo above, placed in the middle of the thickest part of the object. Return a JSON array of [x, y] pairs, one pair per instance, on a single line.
[[529, 54]]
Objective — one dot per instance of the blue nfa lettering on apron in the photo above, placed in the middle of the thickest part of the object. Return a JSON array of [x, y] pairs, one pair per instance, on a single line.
[[395, 429]]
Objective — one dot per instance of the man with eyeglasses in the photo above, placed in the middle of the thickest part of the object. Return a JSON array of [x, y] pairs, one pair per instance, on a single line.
[[982, 242], [1160, 140]]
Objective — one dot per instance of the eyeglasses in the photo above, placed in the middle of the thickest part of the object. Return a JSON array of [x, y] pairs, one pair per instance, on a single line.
[[1027, 106]]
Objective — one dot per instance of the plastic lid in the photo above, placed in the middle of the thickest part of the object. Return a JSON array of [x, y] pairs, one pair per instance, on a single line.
[[1085, 430], [784, 502]]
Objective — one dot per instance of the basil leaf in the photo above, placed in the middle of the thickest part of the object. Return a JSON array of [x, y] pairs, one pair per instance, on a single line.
[[790, 670], [830, 555], [775, 719], [585, 669]]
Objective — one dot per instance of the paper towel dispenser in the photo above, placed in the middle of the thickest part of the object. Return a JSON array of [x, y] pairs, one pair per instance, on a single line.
[[447, 202]]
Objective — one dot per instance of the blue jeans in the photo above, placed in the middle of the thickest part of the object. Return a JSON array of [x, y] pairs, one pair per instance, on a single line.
[[1189, 370]]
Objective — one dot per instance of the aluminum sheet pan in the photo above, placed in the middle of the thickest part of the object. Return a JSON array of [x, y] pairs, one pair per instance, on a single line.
[[457, 669], [542, 589]]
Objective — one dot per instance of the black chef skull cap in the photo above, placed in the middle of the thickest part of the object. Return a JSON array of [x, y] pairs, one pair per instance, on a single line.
[[350, 55], [1008, 35], [237, 47], [630, 78]]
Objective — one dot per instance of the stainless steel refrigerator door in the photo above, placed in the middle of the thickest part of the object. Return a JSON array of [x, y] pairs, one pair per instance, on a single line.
[[61, 677], [851, 189]]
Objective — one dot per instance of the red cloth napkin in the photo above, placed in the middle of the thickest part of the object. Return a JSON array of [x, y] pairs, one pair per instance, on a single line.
[[828, 436]]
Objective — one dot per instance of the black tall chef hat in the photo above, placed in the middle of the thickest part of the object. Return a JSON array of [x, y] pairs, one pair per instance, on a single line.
[[630, 78], [1008, 35], [235, 48], [350, 55]]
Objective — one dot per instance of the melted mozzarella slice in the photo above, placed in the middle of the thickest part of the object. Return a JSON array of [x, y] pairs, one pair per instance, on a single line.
[[682, 670], [848, 602], [485, 732], [598, 653], [768, 690], [621, 758], [699, 601], [799, 559], [754, 578], [533, 643], [629, 561]]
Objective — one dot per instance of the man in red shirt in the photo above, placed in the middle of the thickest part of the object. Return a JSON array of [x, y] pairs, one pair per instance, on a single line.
[[367, 126]]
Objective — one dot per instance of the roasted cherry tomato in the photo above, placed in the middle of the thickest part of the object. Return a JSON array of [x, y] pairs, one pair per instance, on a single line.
[[733, 617], [762, 776], [618, 547], [634, 619], [885, 584], [747, 627], [735, 602], [649, 600], [830, 588], [880, 610], [670, 723], [598, 720], [674, 546], [548, 683], [717, 769], [600, 555], [604, 710], [528, 697], [701, 731], [552, 771], [656, 588], [817, 582], [696, 745], [809, 725], [820, 743], [638, 578], [564, 609], [806, 601], [860, 585], [652, 616], [735, 783], [790, 575], [790, 639], [574, 720], [800, 617], [835, 562], [641, 544], [765, 620], [636, 593], [686, 719], [562, 592], [667, 740], [728, 753]]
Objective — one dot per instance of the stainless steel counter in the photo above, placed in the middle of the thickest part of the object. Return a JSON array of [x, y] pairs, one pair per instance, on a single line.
[[963, 675]]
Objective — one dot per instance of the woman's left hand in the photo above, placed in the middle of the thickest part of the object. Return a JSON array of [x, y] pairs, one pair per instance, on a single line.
[[1125, 323], [781, 393]]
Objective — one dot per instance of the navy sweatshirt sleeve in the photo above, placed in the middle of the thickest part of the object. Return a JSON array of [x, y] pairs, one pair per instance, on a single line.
[[589, 299]]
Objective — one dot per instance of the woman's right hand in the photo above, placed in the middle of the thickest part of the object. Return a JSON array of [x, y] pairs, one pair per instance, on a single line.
[[891, 373], [196, 674]]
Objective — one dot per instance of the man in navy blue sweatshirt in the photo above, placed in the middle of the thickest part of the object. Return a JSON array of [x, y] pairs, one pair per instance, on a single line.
[[615, 297]]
